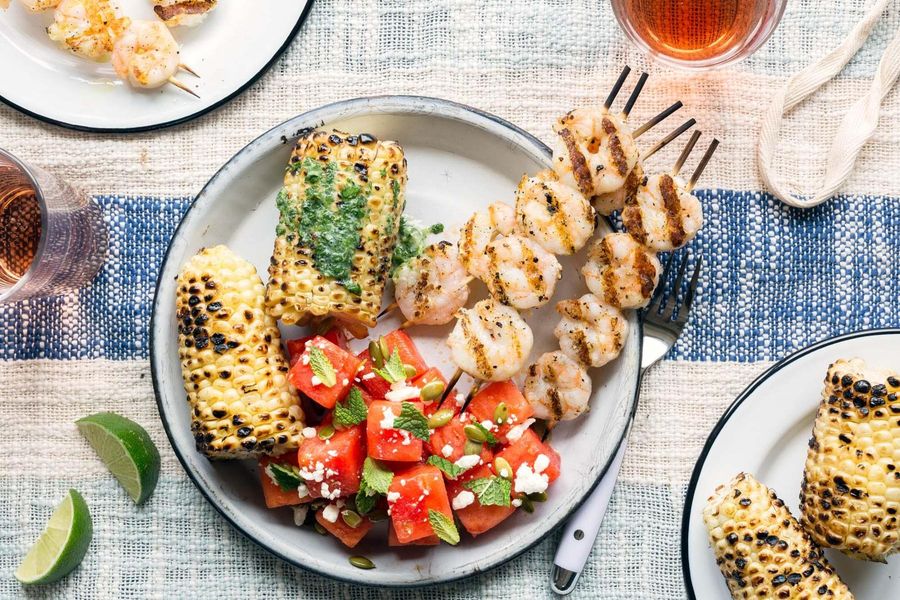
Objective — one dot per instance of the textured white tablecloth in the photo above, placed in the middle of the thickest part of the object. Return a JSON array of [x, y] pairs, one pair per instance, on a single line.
[[523, 60]]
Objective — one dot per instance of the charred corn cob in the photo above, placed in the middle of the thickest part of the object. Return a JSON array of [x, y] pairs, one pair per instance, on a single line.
[[235, 374], [761, 549], [339, 217], [850, 497]]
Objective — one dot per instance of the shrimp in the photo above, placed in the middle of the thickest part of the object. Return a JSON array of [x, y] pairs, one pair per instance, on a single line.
[[87, 27], [557, 387], [430, 288], [146, 56], [610, 202], [590, 332], [34, 5], [594, 151], [663, 215], [477, 233], [184, 13], [621, 272], [521, 274], [554, 215], [490, 341]]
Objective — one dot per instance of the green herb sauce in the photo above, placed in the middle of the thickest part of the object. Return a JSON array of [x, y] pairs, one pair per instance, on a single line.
[[328, 221], [411, 241]]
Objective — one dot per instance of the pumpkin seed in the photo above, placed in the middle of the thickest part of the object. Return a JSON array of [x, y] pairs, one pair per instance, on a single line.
[[440, 418], [351, 518], [538, 497], [319, 529], [410, 371], [472, 447], [376, 355], [378, 515], [324, 325], [503, 468], [527, 505], [361, 562], [475, 434], [325, 432], [385, 351], [432, 391], [501, 413]]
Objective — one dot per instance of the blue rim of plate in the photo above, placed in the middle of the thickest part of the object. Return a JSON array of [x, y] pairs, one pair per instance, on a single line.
[[311, 118], [726, 416], [181, 120]]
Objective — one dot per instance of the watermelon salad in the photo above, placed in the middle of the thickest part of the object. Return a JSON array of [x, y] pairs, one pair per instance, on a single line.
[[382, 444]]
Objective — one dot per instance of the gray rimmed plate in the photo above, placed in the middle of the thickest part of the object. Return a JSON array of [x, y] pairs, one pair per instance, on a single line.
[[765, 432], [460, 160]]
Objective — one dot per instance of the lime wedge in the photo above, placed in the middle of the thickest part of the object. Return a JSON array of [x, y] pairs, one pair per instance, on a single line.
[[61, 545], [126, 450]]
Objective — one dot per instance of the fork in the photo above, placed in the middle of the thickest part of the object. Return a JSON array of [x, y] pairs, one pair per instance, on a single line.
[[663, 321]]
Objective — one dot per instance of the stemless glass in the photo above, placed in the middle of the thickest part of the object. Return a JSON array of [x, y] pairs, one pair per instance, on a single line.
[[52, 237], [699, 34]]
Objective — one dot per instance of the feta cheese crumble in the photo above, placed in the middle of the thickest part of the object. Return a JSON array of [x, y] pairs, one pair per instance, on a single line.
[[300, 513], [330, 513], [309, 432], [467, 462], [516, 432], [393, 496], [463, 499], [530, 482], [388, 421], [447, 450]]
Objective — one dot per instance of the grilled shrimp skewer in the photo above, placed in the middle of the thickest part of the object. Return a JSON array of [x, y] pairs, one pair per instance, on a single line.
[[430, 288], [521, 273], [477, 233], [490, 341], [147, 56], [621, 272], [183, 13], [557, 387], [89, 28]]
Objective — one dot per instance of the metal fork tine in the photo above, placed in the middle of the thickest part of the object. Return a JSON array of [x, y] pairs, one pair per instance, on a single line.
[[653, 306], [692, 287], [679, 279]]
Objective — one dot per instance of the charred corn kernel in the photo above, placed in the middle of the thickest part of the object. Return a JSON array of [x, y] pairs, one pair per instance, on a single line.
[[850, 498], [339, 217], [235, 374], [762, 550]]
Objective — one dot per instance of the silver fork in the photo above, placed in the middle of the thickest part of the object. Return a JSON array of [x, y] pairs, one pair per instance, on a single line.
[[664, 320]]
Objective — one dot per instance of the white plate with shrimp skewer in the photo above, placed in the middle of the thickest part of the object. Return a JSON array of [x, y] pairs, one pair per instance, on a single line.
[[230, 48], [460, 161]]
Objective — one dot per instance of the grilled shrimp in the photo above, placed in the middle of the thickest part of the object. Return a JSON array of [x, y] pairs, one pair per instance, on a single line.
[[477, 233], [430, 288], [610, 202], [663, 215], [490, 341], [187, 13], [87, 27], [34, 5], [590, 332], [554, 215], [621, 272], [594, 151], [521, 274], [557, 387], [146, 55]]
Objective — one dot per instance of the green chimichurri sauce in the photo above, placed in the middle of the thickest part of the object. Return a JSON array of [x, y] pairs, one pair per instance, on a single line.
[[411, 241], [330, 228]]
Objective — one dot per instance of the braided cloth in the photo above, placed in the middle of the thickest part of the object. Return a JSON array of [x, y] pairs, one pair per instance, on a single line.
[[775, 278]]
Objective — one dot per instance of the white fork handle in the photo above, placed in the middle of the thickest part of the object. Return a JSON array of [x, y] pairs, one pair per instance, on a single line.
[[581, 530]]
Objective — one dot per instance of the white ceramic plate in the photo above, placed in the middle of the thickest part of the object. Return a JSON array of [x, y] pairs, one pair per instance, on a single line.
[[460, 160], [230, 50], [765, 432]]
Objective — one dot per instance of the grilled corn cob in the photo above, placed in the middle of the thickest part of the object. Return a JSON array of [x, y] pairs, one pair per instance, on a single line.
[[761, 549], [850, 497], [340, 214], [235, 374]]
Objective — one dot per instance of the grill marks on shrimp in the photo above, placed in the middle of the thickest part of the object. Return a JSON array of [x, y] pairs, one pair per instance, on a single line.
[[478, 350], [647, 273], [605, 257], [615, 147], [674, 221], [580, 168]]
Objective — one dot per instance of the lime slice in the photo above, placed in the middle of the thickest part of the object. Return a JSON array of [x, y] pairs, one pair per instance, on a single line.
[[61, 545], [126, 450]]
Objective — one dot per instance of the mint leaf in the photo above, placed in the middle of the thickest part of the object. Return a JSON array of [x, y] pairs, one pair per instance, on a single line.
[[489, 437], [491, 490], [450, 470], [443, 526], [413, 421], [364, 501], [353, 412], [286, 476], [321, 366], [376, 478], [393, 370]]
